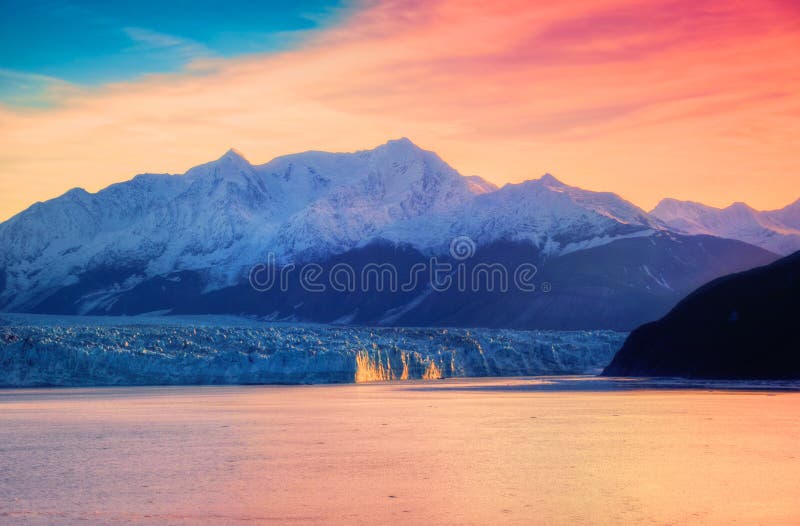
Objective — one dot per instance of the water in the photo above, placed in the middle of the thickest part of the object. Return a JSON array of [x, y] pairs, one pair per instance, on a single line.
[[494, 451]]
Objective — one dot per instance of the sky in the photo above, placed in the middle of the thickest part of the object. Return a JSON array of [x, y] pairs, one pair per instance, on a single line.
[[689, 99]]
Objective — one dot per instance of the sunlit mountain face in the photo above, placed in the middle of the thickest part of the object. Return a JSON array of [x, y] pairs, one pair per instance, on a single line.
[[191, 243], [694, 101]]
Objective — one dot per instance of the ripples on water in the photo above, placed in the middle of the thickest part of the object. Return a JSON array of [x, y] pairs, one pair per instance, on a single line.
[[512, 451]]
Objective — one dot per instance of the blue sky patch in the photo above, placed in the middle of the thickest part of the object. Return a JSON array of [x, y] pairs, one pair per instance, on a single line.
[[89, 42]]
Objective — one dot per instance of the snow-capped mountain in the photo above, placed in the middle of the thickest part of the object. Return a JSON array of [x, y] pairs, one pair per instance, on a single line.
[[775, 230], [554, 217], [223, 216], [185, 243], [354, 196]]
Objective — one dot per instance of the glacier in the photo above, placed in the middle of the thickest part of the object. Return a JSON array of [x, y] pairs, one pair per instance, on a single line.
[[39, 350]]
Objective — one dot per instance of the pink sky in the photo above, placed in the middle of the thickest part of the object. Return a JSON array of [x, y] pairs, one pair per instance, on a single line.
[[688, 99]]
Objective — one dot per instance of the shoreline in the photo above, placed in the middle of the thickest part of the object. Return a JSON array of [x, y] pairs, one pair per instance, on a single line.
[[586, 383]]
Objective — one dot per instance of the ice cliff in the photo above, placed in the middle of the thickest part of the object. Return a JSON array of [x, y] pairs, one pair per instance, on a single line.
[[173, 353]]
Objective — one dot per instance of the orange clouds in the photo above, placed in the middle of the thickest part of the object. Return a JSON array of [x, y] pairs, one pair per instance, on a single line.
[[671, 98]]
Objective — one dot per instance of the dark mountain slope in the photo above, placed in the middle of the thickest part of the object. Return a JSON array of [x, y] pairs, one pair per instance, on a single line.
[[739, 326], [615, 286]]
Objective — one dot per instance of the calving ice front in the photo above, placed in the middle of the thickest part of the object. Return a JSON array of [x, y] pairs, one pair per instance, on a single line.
[[188, 244], [38, 350]]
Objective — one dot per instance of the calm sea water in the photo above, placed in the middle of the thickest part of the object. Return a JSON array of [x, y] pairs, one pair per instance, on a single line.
[[493, 451]]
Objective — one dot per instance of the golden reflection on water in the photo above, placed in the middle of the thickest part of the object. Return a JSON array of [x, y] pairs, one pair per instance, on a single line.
[[496, 451]]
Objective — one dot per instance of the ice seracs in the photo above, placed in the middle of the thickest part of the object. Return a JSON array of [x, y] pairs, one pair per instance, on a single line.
[[39, 350]]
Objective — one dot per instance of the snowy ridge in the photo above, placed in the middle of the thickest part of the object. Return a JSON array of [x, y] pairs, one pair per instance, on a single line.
[[775, 230], [82, 352], [222, 217], [554, 217]]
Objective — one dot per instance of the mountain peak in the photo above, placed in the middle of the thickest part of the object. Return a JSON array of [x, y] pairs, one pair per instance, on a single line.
[[777, 231], [405, 141], [550, 180], [670, 205], [231, 163], [667, 201], [234, 154], [741, 208], [403, 144]]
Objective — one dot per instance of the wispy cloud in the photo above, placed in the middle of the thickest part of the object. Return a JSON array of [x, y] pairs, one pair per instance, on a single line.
[[146, 41], [33, 90]]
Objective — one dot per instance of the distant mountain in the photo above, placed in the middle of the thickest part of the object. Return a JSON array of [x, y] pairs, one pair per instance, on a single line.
[[775, 230], [220, 217], [550, 215], [740, 326], [618, 285], [615, 286], [185, 243]]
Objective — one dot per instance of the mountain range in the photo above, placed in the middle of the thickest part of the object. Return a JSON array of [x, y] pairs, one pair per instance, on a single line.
[[186, 243], [775, 230]]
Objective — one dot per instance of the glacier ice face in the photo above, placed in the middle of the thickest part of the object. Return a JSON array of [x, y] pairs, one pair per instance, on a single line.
[[47, 351]]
